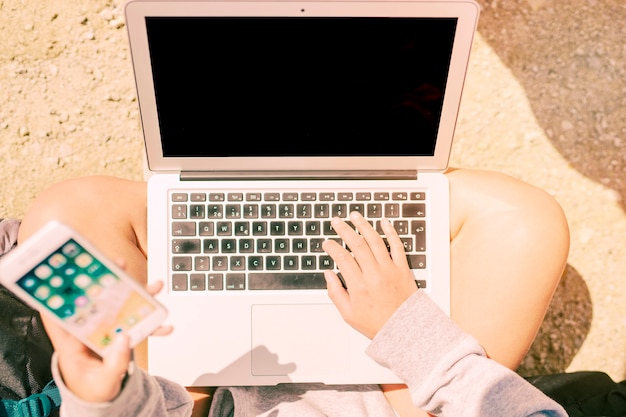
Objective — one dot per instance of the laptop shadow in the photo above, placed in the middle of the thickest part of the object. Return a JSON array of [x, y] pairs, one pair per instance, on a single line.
[[243, 366]]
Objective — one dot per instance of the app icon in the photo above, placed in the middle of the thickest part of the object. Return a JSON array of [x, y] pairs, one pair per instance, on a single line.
[[57, 260], [55, 302], [82, 281], [42, 292], [83, 260], [56, 281], [43, 271], [71, 249]]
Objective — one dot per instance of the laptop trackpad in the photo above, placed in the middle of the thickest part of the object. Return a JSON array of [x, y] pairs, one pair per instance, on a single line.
[[308, 339]]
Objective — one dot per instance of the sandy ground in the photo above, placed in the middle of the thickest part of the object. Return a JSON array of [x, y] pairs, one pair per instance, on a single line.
[[544, 101]]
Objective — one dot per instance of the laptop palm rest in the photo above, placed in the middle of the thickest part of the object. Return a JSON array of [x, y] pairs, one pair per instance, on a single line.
[[284, 335]]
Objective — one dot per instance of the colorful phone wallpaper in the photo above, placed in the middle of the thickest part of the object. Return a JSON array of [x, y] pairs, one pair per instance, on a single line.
[[85, 294]]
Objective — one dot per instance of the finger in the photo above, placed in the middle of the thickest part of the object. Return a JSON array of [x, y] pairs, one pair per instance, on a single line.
[[343, 259], [61, 339], [53, 329], [117, 357], [163, 331], [372, 237], [155, 287], [337, 293], [396, 247], [357, 244]]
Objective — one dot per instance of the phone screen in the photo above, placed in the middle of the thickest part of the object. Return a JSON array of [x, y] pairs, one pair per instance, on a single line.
[[85, 294]]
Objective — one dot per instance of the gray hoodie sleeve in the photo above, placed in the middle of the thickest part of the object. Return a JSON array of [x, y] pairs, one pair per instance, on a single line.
[[447, 372], [142, 396]]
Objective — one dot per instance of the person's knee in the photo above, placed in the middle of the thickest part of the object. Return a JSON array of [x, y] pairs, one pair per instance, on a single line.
[[80, 201], [484, 196], [508, 212]]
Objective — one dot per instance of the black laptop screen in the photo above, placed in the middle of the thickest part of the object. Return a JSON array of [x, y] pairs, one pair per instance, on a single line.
[[232, 86]]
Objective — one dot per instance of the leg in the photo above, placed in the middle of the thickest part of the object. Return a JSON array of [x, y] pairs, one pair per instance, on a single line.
[[108, 211], [509, 246]]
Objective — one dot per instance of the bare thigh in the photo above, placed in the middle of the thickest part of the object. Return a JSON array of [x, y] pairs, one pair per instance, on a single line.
[[109, 211]]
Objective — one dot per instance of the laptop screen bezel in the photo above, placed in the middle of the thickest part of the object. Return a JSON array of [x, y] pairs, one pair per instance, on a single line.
[[465, 11]]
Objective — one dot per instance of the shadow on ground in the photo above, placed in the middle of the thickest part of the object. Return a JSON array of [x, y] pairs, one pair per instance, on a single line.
[[569, 56], [564, 330]]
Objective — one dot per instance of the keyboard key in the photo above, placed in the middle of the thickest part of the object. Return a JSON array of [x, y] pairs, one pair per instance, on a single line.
[[303, 211], [179, 211], [186, 246], [286, 280], [250, 211], [253, 196], [181, 263], [235, 196], [196, 211], [198, 197], [416, 261], [285, 211], [206, 228], [215, 282], [180, 197], [235, 282], [360, 208], [183, 229], [268, 211], [414, 210], [418, 229], [215, 211], [197, 282], [392, 210], [201, 263], [210, 246], [232, 211], [179, 282]]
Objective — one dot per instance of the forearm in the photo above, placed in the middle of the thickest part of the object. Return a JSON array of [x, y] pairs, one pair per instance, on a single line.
[[142, 396], [447, 371]]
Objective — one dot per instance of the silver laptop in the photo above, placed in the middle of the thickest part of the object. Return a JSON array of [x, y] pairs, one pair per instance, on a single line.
[[264, 119]]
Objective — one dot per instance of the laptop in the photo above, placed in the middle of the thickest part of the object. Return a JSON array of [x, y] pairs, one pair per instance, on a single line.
[[262, 120]]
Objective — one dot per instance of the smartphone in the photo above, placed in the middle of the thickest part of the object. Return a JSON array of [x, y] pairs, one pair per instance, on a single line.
[[58, 272]]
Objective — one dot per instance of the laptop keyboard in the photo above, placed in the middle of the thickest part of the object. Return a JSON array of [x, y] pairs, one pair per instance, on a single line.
[[255, 240]]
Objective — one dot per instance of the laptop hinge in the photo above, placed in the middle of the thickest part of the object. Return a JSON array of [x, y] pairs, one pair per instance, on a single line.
[[300, 175]]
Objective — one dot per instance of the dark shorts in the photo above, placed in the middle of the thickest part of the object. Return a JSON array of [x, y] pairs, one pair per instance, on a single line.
[[584, 394]]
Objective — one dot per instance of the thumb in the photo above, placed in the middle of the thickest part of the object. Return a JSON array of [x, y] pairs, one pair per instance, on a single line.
[[117, 358], [337, 293]]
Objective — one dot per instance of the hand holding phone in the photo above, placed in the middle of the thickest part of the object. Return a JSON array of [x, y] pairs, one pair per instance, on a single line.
[[87, 375], [93, 311]]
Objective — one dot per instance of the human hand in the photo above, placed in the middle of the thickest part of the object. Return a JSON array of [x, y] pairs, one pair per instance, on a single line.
[[90, 377], [377, 283]]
